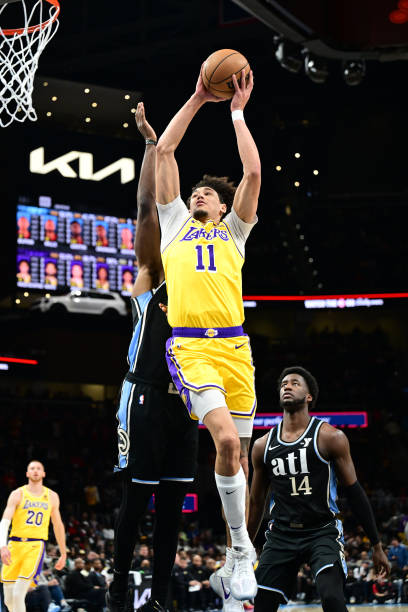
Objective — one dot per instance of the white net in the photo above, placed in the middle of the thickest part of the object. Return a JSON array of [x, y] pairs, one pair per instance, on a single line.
[[19, 54]]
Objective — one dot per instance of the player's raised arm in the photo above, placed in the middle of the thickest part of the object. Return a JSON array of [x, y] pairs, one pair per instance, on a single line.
[[12, 503], [59, 530], [167, 174], [147, 239], [259, 487], [335, 446], [247, 193]]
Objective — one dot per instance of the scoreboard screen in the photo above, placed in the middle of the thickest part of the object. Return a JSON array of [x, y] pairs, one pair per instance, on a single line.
[[61, 249]]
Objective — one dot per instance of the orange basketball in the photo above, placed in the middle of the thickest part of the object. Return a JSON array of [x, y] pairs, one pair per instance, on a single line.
[[218, 69]]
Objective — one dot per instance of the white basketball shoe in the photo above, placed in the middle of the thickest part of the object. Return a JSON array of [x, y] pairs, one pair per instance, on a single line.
[[243, 584], [220, 583]]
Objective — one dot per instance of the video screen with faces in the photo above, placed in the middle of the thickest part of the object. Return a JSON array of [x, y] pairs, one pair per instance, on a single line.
[[61, 249]]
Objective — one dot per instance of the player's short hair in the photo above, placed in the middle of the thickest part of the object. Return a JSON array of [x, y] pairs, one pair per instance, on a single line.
[[308, 377], [221, 184], [35, 461]]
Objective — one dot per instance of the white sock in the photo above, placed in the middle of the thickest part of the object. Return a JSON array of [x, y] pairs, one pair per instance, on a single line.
[[232, 490], [8, 590], [20, 591]]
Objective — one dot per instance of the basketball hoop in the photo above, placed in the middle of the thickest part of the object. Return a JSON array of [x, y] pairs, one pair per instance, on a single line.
[[20, 49]]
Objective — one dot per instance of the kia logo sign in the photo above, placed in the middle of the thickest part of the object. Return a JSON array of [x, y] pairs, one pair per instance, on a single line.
[[124, 165]]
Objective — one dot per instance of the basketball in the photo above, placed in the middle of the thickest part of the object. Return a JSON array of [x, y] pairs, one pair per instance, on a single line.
[[218, 69]]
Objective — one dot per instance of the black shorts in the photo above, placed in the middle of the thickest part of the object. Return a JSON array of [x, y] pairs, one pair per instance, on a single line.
[[157, 440], [286, 549]]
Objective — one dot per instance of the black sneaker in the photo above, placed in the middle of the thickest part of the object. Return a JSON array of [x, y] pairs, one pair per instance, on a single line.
[[115, 602], [152, 606]]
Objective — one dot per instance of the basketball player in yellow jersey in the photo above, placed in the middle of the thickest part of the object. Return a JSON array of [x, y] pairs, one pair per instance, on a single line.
[[209, 355], [29, 510]]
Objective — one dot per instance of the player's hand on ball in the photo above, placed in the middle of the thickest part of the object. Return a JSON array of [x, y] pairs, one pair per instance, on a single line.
[[243, 90], [381, 564], [143, 126], [60, 564], [203, 93], [5, 555]]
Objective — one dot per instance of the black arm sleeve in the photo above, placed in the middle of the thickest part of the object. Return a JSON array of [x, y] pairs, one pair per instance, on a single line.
[[362, 510]]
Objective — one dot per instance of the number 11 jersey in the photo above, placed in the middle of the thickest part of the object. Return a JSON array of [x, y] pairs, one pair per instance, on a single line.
[[202, 264]]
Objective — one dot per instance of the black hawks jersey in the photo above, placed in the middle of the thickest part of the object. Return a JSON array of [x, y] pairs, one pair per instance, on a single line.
[[303, 483], [147, 349]]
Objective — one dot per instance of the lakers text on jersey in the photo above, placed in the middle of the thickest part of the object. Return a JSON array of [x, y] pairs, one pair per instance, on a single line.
[[202, 264], [32, 516], [29, 531]]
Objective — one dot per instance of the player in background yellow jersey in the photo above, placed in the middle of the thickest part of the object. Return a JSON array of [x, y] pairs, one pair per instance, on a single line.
[[209, 355], [29, 510]]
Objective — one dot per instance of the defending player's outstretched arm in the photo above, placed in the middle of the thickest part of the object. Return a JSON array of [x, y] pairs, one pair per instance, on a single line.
[[167, 174], [334, 445], [247, 193], [259, 487], [147, 239]]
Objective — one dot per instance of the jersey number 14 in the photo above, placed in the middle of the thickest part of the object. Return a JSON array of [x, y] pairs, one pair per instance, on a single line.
[[303, 488]]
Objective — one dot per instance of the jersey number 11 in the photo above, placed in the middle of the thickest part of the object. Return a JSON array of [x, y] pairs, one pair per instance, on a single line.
[[200, 267]]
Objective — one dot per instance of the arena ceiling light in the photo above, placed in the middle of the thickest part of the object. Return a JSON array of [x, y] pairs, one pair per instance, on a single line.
[[288, 54], [316, 68], [353, 71]]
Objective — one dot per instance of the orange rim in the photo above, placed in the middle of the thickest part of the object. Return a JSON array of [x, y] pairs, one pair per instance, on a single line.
[[40, 26]]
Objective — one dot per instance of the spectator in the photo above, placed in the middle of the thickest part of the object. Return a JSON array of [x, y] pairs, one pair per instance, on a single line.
[[180, 580], [398, 554], [78, 585], [96, 576], [211, 599], [364, 581], [143, 553], [39, 598], [383, 591], [305, 584], [198, 585]]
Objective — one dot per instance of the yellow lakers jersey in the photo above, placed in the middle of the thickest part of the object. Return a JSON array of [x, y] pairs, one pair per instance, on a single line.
[[203, 267], [32, 516]]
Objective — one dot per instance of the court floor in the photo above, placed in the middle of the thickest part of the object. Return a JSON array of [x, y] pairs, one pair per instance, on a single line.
[[350, 608]]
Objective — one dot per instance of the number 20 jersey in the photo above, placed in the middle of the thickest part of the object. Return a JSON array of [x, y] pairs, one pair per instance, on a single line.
[[303, 483], [202, 264], [32, 516]]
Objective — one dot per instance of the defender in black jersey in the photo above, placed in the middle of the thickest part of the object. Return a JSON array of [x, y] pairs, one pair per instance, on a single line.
[[300, 461], [151, 415]]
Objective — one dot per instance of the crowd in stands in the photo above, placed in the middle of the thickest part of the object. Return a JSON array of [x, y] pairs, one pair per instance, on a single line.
[[75, 439], [88, 572]]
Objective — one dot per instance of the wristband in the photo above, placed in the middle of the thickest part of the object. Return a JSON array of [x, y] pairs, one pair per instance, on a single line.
[[237, 114], [4, 527], [151, 141]]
